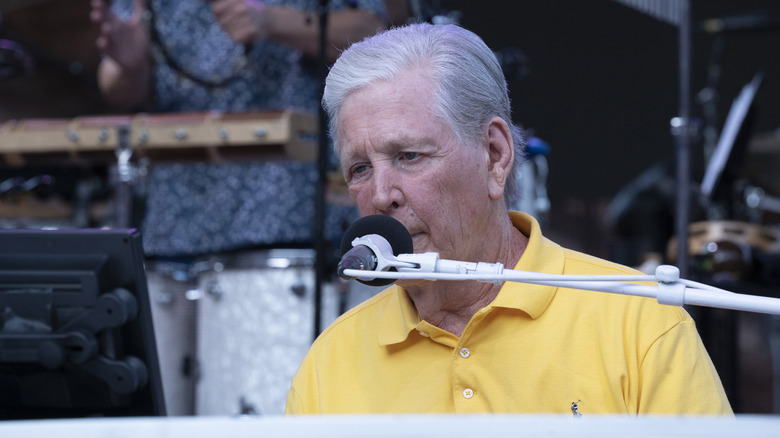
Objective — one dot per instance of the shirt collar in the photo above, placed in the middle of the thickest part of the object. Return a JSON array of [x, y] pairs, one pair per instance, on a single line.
[[541, 255], [400, 317]]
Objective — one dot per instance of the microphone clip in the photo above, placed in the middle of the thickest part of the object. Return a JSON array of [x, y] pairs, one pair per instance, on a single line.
[[429, 262], [377, 257], [385, 259]]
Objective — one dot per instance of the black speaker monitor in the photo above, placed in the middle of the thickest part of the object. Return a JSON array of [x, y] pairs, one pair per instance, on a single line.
[[76, 333]]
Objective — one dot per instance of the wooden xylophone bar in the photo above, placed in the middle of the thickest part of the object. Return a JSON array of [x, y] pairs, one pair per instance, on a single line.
[[203, 136]]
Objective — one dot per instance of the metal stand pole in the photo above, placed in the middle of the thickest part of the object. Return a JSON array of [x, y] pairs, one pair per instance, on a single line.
[[681, 130], [123, 191], [320, 245]]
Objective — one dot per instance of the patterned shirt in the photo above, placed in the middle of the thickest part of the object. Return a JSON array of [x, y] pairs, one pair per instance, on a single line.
[[209, 207]]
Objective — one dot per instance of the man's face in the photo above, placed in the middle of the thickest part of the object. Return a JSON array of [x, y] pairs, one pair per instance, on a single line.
[[400, 160]]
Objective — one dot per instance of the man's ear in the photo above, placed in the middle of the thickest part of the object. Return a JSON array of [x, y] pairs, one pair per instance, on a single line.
[[501, 155]]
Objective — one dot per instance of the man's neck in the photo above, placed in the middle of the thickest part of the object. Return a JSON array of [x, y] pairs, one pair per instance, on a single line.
[[450, 305]]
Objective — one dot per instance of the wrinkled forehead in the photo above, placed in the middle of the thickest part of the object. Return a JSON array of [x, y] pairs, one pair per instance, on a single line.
[[412, 90], [381, 124], [384, 108]]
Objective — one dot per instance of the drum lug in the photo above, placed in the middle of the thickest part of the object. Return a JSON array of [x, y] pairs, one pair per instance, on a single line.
[[299, 290], [215, 290]]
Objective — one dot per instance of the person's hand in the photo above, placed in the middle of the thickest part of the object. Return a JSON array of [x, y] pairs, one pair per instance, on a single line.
[[245, 21], [124, 41]]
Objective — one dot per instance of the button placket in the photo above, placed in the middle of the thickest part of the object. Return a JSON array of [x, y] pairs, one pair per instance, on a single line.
[[464, 353]]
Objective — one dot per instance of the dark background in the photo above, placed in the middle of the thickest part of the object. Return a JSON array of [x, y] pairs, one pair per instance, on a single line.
[[603, 85]]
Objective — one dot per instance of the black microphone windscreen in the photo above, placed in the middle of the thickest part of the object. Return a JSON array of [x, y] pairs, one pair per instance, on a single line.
[[393, 231]]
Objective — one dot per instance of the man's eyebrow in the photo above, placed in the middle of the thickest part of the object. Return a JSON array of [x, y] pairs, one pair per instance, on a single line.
[[406, 141]]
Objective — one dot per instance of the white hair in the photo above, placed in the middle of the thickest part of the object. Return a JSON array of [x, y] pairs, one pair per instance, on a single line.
[[469, 86]]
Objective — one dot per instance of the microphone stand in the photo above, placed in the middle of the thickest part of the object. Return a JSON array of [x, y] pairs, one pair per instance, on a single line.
[[671, 289]]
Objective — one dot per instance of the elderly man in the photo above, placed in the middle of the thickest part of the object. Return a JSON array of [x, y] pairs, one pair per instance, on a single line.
[[420, 117]]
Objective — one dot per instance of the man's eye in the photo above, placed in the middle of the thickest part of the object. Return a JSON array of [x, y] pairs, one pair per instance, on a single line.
[[410, 155], [358, 169]]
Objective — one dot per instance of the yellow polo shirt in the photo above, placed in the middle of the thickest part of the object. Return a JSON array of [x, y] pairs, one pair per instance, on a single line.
[[535, 349]]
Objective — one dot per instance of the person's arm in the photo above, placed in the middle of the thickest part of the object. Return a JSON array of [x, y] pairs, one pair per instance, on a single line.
[[125, 72], [250, 21]]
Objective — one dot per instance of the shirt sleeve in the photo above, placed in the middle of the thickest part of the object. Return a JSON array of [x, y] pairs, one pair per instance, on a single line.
[[303, 397], [294, 405], [678, 377]]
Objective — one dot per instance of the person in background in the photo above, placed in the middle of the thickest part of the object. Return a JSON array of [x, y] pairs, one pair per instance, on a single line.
[[232, 56], [420, 118]]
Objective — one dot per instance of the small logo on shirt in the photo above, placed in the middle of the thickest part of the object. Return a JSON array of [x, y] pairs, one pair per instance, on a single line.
[[575, 409]]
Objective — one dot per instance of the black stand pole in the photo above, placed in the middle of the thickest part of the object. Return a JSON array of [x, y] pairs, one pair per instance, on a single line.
[[681, 129], [320, 245], [123, 190]]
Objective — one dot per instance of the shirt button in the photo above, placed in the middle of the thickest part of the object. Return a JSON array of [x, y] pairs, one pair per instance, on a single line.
[[468, 393], [425, 334], [464, 352]]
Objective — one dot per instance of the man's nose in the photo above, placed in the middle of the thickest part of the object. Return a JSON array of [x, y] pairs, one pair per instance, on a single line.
[[386, 193]]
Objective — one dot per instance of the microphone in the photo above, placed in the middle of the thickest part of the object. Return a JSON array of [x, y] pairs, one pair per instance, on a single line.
[[370, 241]]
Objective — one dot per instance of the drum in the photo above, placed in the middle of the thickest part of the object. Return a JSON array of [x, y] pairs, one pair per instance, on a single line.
[[255, 324], [743, 346], [170, 288], [232, 329], [725, 248]]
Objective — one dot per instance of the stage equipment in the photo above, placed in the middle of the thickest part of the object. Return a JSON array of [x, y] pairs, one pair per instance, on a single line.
[[76, 331], [210, 136]]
